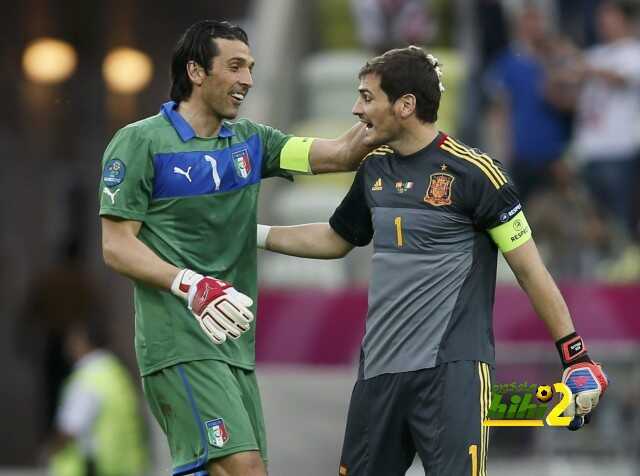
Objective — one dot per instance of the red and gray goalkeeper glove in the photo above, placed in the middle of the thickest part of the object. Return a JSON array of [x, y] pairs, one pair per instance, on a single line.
[[220, 309], [583, 376]]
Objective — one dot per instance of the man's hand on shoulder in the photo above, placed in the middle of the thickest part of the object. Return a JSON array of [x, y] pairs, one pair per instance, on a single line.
[[221, 310], [583, 376], [343, 154]]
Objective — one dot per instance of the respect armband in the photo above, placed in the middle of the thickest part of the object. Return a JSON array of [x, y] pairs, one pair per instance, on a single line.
[[512, 234], [294, 156]]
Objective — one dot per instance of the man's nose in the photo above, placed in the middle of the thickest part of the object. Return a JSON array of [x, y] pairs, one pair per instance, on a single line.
[[247, 79], [356, 110]]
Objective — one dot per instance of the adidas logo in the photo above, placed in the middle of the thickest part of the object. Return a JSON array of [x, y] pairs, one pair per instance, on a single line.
[[377, 185]]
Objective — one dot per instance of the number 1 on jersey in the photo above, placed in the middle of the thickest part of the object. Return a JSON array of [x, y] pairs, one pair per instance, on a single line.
[[214, 170], [399, 240], [473, 452]]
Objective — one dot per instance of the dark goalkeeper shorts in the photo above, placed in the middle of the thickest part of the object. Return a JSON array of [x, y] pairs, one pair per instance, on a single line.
[[436, 412]]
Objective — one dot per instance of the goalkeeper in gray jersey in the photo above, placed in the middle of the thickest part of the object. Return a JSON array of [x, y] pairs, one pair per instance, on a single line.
[[437, 211]]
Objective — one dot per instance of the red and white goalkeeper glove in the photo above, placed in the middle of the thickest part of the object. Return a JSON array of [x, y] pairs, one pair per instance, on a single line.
[[220, 309], [583, 376]]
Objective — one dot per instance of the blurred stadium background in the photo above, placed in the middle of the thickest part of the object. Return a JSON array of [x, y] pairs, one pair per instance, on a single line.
[[76, 71]]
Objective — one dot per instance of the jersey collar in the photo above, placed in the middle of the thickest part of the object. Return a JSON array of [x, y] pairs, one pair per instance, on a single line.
[[434, 144], [182, 127]]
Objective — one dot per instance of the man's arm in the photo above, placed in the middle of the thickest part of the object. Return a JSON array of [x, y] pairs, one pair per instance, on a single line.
[[339, 155], [127, 255], [219, 308], [314, 240], [543, 293], [583, 376], [76, 414], [349, 226]]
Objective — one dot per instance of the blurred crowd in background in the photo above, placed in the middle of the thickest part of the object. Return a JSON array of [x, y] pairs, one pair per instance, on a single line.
[[554, 94], [551, 88]]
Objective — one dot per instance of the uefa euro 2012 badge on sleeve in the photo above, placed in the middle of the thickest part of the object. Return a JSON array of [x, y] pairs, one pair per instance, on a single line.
[[114, 172], [217, 432]]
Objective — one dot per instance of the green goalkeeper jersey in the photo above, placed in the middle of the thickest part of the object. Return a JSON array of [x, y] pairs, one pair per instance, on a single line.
[[196, 199]]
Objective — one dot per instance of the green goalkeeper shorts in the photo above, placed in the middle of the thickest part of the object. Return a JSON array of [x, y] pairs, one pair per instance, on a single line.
[[208, 409]]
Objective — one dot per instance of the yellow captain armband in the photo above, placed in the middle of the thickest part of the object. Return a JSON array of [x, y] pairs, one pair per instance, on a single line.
[[294, 156], [511, 234]]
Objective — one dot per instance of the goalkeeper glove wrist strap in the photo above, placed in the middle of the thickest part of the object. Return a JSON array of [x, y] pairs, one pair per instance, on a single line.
[[183, 281], [572, 350]]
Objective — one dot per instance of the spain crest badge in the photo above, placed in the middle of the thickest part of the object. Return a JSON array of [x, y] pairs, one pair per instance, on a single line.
[[439, 189]]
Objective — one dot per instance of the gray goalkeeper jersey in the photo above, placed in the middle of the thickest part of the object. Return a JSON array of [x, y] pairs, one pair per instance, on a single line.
[[434, 264]]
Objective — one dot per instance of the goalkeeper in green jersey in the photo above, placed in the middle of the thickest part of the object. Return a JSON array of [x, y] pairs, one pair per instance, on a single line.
[[179, 192]]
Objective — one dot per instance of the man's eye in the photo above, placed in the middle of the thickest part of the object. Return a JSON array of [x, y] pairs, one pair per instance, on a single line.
[[234, 67]]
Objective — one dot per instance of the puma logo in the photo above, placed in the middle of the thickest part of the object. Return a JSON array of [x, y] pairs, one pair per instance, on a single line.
[[179, 171], [112, 195]]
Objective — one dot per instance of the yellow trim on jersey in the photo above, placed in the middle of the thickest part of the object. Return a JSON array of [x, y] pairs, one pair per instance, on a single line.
[[484, 163], [488, 160], [382, 150], [485, 402], [478, 164], [512, 234], [294, 156], [482, 416]]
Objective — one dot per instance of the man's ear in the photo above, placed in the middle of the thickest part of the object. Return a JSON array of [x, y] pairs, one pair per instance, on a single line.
[[196, 73], [405, 106]]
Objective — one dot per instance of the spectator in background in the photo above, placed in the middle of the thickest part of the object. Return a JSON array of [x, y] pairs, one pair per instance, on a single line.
[[607, 132], [574, 248], [537, 132], [59, 295], [483, 35], [385, 24], [98, 427], [577, 18]]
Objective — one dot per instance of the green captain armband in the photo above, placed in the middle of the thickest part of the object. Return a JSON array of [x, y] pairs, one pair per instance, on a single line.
[[294, 156], [512, 234]]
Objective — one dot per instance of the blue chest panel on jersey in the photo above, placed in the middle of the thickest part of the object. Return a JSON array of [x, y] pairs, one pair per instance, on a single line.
[[185, 174]]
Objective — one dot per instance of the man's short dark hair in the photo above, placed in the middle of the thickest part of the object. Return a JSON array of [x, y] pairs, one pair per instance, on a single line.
[[408, 71], [196, 45]]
